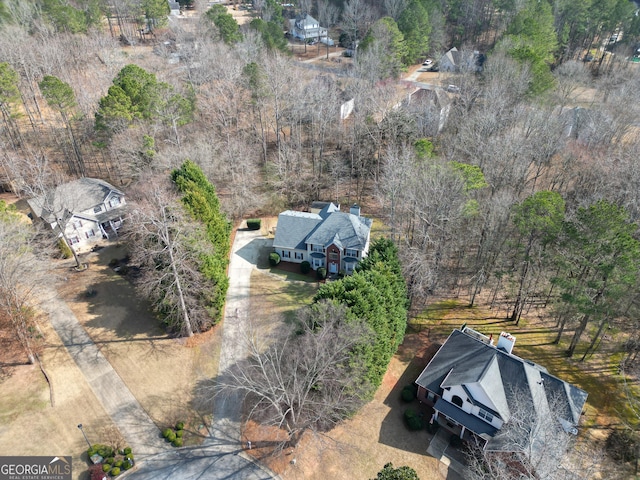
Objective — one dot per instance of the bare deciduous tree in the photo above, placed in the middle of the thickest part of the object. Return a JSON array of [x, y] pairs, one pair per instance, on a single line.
[[307, 379]]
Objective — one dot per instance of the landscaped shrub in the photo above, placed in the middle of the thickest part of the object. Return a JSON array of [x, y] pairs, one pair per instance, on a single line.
[[274, 259], [129, 456], [321, 273], [127, 451], [105, 451], [96, 472], [118, 463], [622, 445], [115, 471], [408, 393], [177, 442], [172, 436], [180, 426], [106, 467], [179, 433], [127, 465], [305, 267], [109, 460], [166, 432], [413, 421], [65, 251], [253, 224]]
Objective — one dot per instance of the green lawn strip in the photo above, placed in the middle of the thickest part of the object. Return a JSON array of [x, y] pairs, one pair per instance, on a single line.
[[279, 294]]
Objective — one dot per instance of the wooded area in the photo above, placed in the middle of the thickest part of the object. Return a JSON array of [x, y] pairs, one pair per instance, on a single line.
[[520, 191]]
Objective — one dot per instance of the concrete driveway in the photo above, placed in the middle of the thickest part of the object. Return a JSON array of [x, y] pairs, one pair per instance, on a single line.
[[222, 455]]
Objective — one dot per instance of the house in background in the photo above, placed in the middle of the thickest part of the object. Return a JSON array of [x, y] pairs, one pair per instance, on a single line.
[[87, 209], [476, 388], [304, 27], [465, 61], [330, 238]]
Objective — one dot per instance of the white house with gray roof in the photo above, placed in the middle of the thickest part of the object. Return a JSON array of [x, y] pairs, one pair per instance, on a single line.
[[88, 209], [476, 388], [330, 238], [305, 27]]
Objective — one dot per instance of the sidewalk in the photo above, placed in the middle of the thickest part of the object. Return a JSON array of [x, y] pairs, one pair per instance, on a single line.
[[132, 420]]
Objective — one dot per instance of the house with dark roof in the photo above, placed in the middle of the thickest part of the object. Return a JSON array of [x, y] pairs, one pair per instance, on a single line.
[[86, 209], [478, 389], [330, 238]]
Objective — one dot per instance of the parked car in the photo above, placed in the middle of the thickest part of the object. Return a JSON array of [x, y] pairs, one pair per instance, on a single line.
[[427, 62], [588, 58], [453, 89]]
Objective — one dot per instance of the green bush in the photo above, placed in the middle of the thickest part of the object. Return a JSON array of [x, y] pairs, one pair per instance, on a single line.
[[321, 273], [177, 442], [65, 251], [105, 451], [305, 267], [166, 432], [172, 436], [253, 224], [127, 465], [109, 460], [621, 445], [115, 471], [180, 426], [413, 421], [118, 463], [106, 467], [179, 433], [129, 456], [408, 393], [274, 259], [127, 451]]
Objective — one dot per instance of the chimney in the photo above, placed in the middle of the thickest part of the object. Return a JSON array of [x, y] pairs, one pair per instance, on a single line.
[[506, 342], [355, 210]]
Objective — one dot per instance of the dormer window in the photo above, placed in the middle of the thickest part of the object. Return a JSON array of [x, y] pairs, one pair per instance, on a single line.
[[456, 400], [97, 209]]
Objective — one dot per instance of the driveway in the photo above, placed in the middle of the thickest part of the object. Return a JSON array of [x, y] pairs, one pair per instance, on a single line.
[[222, 455]]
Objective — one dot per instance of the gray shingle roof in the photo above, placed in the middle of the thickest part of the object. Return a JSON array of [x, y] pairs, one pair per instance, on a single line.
[[465, 360], [74, 197], [297, 229]]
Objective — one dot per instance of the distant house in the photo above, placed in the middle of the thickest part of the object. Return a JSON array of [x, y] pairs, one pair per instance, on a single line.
[[330, 238], [87, 210], [305, 27], [476, 388], [466, 61]]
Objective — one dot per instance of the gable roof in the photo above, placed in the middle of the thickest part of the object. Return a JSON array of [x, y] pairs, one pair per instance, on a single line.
[[329, 226], [75, 197], [306, 21], [465, 360]]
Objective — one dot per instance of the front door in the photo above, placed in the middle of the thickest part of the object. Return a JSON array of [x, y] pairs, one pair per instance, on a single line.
[[333, 267]]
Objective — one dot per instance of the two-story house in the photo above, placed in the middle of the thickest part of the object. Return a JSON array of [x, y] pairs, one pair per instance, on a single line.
[[330, 238], [87, 209], [305, 27], [478, 389]]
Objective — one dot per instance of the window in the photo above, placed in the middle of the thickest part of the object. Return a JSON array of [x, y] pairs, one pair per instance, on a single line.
[[351, 253], [74, 240], [333, 255], [97, 209], [90, 233], [456, 400], [486, 415], [114, 201], [318, 248], [286, 254], [299, 256], [77, 223]]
